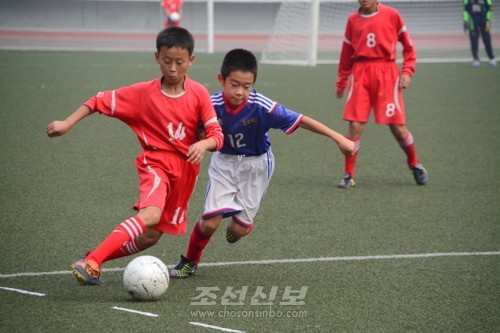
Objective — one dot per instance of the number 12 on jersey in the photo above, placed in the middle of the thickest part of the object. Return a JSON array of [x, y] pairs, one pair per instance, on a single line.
[[236, 140]]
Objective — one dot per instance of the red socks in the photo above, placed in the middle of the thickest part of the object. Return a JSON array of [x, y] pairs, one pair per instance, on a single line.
[[409, 148], [350, 161], [126, 250], [407, 145], [197, 243], [119, 241]]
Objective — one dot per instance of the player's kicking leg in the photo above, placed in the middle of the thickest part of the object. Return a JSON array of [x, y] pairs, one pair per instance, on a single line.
[[87, 272], [120, 242]]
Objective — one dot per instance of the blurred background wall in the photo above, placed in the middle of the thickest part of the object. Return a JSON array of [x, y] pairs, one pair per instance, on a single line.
[[133, 16]]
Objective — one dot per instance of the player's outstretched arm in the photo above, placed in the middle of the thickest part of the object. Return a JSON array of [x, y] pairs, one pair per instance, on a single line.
[[60, 127], [345, 145]]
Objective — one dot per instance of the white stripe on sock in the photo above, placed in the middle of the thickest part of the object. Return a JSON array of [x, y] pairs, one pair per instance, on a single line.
[[127, 228], [132, 247], [408, 141], [357, 144], [135, 225]]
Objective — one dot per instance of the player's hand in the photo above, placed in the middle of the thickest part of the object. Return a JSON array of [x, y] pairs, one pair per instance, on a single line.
[[347, 147], [466, 26], [196, 152], [488, 26], [58, 128], [405, 81], [339, 93]]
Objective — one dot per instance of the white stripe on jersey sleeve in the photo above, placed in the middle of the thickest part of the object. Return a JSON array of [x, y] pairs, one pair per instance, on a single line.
[[295, 124], [113, 102], [262, 100], [210, 121], [217, 99]]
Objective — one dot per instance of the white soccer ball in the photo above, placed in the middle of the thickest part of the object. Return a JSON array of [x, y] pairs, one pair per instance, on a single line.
[[174, 17], [146, 278]]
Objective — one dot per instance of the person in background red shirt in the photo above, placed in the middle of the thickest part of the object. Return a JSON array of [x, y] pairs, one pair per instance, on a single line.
[[367, 67], [172, 10], [165, 114]]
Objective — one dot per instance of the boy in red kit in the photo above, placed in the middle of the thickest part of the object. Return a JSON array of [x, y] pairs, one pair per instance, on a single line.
[[172, 12], [368, 60], [165, 114]]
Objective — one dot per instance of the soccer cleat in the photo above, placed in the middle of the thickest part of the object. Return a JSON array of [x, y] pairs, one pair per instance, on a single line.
[[347, 182], [420, 174], [184, 268], [230, 237], [493, 63], [87, 272], [476, 64]]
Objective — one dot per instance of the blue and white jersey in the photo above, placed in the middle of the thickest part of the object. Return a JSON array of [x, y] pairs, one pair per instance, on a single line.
[[246, 128]]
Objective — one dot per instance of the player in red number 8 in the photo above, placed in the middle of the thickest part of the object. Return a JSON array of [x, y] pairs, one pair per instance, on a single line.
[[367, 66]]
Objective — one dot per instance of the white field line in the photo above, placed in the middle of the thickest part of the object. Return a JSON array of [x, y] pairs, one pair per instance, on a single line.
[[354, 258], [425, 60], [149, 314], [287, 261], [23, 291], [215, 327]]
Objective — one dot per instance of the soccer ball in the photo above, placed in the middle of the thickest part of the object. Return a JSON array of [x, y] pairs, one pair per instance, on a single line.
[[146, 278], [174, 17]]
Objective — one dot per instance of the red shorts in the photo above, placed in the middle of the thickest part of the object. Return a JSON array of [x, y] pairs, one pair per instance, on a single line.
[[375, 85], [167, 181]]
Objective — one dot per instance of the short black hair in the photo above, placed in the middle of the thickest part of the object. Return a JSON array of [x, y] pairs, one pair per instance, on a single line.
[[175, 37], [239, 60]]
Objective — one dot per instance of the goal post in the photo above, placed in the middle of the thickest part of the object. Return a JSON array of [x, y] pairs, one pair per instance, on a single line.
[[313, 45], [311, 32]]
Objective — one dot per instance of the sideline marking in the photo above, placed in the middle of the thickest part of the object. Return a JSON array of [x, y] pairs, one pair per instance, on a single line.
[[23, 291], [149, 314], [286, 261], [215, 327]]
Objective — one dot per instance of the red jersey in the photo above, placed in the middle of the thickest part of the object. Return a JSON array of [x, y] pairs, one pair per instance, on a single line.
[[160, 121], [172, 5], [374, 38]]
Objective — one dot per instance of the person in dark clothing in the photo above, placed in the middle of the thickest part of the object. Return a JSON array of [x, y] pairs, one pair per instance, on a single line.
[[477, 17]]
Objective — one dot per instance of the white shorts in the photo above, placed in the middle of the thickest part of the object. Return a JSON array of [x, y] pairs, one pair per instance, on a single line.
[[237, 185]]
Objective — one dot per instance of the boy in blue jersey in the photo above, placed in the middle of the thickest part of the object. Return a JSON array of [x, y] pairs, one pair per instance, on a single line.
[[240, 172]]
